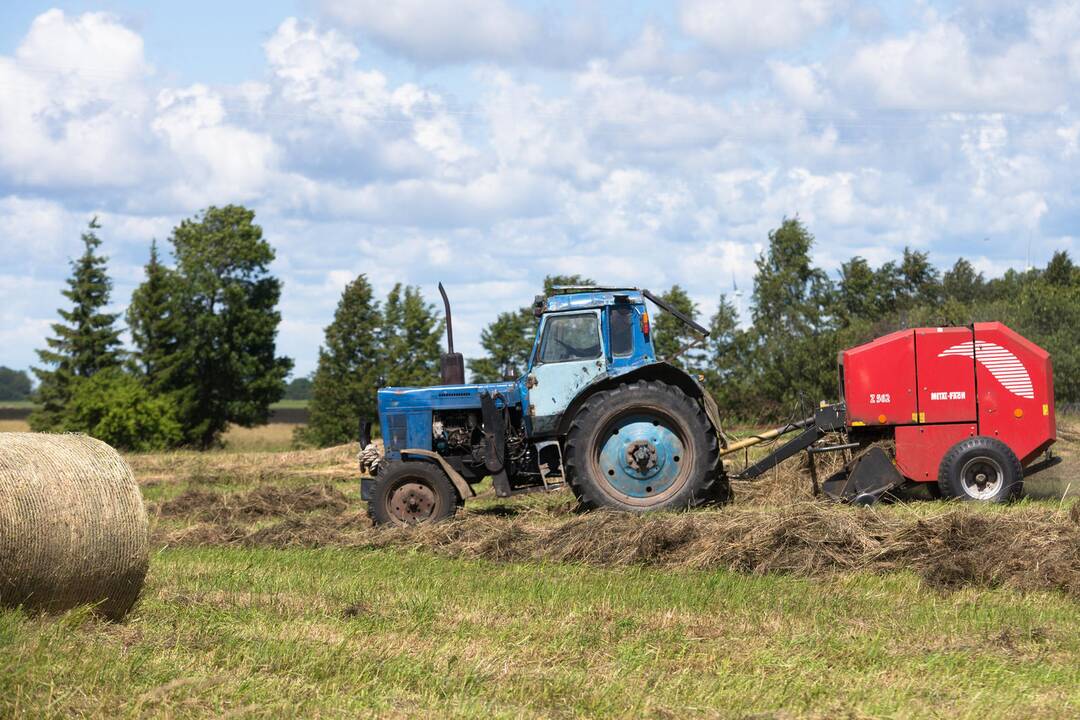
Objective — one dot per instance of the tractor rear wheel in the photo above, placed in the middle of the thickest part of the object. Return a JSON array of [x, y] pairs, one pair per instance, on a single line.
[[643, 446], [409, 493], [981, 468]]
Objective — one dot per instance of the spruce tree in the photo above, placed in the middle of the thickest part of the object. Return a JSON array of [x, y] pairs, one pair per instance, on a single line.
[[347, 376], [155, 322], [410, 339], [85, 342], [725, 370]]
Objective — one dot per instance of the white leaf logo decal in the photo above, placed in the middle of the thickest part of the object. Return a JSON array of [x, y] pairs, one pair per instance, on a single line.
[[1002, 364]]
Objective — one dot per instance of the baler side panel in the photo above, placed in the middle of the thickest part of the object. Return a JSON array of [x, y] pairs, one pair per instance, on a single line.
[[879, 381], [1016, 390], [920, 448], [946, 376]]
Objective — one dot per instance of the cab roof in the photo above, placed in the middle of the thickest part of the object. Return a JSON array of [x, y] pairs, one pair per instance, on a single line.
[[578, 298]]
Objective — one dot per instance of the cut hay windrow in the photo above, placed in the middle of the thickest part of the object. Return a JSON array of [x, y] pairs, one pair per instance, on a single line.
[[73, 529], [1027, 548]]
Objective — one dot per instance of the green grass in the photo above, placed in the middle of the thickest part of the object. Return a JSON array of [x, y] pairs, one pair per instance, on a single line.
[[339, 633], [20, 404]]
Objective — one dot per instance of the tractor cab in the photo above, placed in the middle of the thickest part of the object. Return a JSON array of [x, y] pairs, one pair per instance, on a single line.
[[584, 335]]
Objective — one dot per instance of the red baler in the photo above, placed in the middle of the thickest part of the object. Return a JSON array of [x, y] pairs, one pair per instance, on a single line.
[[967, 408]]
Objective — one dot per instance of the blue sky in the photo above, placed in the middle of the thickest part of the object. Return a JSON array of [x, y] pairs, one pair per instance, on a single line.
[[487, 143]]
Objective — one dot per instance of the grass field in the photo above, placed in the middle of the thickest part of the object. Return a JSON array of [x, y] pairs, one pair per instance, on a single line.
[[269, 595], [340, 633]]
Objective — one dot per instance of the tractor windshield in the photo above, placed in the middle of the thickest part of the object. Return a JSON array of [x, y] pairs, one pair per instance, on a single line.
[[570, 337]]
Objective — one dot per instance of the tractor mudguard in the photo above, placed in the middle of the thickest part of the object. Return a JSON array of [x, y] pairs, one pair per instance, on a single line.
[[660, 371], [464, 489]]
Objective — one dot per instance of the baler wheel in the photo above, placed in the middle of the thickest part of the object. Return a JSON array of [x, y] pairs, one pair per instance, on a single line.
[[409, 493], [981, 468], [643, 446]]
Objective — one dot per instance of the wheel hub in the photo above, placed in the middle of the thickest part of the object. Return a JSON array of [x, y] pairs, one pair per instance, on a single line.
[[982, 478], [412, 502], [641, 457]]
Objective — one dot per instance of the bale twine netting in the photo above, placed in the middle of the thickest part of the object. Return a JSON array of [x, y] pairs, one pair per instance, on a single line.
[[73, 528]]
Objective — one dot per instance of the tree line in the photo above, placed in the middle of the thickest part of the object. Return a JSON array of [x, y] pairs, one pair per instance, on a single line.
[[203, 336], [785, 360]]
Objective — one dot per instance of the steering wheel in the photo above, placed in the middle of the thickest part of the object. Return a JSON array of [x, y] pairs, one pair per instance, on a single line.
[[577, 351]]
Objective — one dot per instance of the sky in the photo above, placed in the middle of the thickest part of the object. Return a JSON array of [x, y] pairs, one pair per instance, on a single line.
[[488, 143]]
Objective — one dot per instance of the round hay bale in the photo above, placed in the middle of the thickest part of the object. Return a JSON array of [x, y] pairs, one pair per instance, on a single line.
[[73, 528]]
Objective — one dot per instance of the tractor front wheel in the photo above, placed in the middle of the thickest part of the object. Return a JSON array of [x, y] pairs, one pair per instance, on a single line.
[[980, 468], [643, 446], [409, 493]]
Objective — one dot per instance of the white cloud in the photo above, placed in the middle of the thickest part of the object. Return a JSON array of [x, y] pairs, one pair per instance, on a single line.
[[437, 31], [220, 162], [651, 164], [73, 108], [750, 25], [936, 67], [801, 84]]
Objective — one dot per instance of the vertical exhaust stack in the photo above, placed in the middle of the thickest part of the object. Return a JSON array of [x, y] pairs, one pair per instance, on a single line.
[[453, 364]]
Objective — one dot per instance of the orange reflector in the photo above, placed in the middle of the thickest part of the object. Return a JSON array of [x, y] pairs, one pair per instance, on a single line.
[[645, 324], [1018, 412], [881, 418]]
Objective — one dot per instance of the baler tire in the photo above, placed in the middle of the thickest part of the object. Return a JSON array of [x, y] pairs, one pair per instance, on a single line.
[[393, 476], [706, 483], [968, 456]]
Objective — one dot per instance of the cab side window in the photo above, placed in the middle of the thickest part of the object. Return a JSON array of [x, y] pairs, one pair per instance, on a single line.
[[570, 337], [622, 330]]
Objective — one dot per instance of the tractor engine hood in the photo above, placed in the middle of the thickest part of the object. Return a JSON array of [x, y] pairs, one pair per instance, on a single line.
[[446, 397]]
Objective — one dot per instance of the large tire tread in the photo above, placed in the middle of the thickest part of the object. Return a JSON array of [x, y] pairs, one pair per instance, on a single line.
[[711, 489]]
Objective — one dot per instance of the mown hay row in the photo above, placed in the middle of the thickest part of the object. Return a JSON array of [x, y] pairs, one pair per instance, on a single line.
[[73, 529], [1025, 548]]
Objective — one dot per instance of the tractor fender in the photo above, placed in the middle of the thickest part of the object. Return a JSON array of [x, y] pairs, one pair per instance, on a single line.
[[660, 371], [463, 488]]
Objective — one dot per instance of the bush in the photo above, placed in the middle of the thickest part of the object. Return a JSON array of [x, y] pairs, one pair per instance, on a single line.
[[113, 406]]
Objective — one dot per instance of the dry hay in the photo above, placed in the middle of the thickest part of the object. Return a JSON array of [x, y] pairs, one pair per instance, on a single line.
[[247, 468], [73, 529], [1028, 548]]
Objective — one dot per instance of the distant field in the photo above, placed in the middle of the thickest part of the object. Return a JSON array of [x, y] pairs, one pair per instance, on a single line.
[[290, 404], [20, 404], [274, 437]]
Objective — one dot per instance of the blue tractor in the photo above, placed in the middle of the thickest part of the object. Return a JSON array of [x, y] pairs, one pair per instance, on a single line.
[[595, 410]]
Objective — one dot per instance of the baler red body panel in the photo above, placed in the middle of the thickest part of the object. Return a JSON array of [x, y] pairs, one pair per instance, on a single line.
[[919, 448], [879, 380], [1016, 390], [946, 382], [937, 386]]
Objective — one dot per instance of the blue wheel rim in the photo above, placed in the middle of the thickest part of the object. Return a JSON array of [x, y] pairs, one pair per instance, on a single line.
[[642, 458]]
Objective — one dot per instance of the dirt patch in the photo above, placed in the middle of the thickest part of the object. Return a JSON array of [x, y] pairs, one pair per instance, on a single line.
[[1025, 548]]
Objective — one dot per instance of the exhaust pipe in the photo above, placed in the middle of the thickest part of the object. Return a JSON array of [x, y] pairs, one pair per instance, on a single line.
[[453, 364]]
